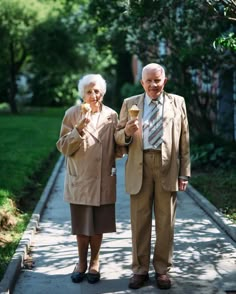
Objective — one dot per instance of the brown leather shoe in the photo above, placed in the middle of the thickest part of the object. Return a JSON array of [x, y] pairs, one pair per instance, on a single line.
[[163, 281], [137, 281]]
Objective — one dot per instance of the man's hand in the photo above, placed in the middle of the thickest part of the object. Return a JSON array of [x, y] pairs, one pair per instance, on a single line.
[[131, 127], [182, 184]]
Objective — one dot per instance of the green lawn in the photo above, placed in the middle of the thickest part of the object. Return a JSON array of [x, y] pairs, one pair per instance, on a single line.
[[28, 155]]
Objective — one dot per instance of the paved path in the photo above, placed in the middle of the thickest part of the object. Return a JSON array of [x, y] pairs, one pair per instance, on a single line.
[[204, 256]]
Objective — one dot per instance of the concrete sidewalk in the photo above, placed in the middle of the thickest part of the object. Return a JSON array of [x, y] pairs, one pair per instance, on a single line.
[[204, 255]]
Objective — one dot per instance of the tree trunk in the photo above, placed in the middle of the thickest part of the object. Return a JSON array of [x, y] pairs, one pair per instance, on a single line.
[[13, 84]]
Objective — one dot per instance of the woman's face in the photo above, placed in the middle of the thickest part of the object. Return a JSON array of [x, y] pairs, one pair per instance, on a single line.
[[92, 94]]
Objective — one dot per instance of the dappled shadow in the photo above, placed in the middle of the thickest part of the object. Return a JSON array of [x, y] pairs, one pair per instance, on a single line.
[[204, 259]]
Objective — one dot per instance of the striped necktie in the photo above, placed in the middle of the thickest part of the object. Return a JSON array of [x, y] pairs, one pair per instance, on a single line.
[[155, 125]]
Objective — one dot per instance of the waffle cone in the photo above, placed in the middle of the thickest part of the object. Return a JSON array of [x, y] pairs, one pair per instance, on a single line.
[[134, 113], [85, 107]]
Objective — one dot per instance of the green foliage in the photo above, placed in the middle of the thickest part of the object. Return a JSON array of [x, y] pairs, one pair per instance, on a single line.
[[47, 42], [210, 155], [17, 18], [4, 195], [55, 91], [219, 188], [223, 8], [65, 52], [177, 34], [110, 23], [53, 46], [226, 42], [129, 90], [109, 27], [214, 175]]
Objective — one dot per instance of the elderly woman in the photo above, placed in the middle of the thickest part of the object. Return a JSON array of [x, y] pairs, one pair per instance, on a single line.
[[87, 141]]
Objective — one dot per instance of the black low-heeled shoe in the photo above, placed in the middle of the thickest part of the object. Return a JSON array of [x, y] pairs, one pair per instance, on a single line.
[[77, 277], [93, 278]]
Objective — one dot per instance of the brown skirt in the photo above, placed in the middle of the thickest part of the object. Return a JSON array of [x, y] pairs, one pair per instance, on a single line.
[[92, 220]]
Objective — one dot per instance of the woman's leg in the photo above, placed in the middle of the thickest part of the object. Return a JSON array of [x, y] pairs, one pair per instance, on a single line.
[[95, 244], [82, 243]]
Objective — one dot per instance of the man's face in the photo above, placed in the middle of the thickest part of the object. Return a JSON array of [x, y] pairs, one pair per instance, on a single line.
[[153, 82]]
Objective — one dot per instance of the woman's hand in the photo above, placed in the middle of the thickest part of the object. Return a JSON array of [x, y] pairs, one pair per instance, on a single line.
[[81, 125]]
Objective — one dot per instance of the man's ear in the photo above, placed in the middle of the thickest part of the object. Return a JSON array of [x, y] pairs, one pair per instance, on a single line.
[[165, 81]]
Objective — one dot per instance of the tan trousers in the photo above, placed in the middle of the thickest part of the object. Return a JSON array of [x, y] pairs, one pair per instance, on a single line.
[[152, 198]]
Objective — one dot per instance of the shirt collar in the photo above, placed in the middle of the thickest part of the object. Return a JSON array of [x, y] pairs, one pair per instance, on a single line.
[[149, 100]]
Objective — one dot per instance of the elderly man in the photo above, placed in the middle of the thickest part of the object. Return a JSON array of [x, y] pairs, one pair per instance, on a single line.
[[158, 166]]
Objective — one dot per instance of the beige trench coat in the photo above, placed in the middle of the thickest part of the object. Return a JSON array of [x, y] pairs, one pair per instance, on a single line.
[[89, 159], [175, 150]]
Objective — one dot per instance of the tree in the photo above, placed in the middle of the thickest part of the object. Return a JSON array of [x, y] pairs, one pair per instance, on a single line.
[[225, 9], [57, 53], [179, 34], [109, 26], [17, 18], [47, 42], [65, 52]]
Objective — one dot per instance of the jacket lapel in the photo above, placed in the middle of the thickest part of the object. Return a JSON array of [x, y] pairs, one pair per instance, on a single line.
[[90, 128], [168, 116], [168, 113], [140, 104], [104, 118]]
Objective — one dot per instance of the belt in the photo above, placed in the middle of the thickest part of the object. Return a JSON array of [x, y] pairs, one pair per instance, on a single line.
[[151, 151]]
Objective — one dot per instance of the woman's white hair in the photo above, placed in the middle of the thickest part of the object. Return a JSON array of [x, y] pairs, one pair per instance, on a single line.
[[92, 79]]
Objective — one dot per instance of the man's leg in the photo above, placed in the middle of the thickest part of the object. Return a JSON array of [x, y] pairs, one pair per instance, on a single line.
[[164, 210], [141, 220]]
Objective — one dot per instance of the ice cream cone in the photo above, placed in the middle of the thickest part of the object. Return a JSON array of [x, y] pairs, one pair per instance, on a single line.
[[134, 111], [85, 108]]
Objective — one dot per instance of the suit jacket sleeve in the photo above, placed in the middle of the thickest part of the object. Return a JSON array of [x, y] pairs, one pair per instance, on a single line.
[[120, 133], [184, 144]]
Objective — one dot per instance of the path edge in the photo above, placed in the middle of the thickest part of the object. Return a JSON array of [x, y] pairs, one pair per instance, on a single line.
[[225, 224], [14, 267]]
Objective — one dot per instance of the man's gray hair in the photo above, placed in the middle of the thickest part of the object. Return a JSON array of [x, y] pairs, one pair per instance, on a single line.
[[151, 66], [91, 79]]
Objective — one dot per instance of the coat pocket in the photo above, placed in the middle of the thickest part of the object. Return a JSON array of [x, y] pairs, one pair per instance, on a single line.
[[76, 183]]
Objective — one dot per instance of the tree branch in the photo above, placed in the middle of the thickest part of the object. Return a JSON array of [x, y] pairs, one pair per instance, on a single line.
[[225, 8]]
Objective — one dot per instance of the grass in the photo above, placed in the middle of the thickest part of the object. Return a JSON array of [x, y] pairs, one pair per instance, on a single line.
[[219, 187], [214, 174], [28, 156]]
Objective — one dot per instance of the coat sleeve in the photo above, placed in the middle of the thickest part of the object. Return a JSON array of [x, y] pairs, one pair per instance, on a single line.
[[120, 150], [120, 134], [184, 144], [69, 140]]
